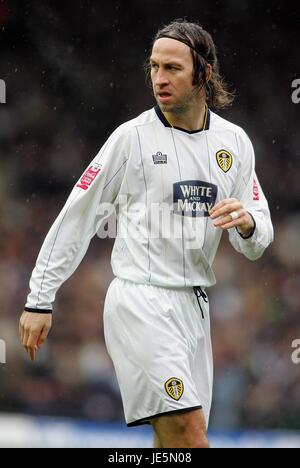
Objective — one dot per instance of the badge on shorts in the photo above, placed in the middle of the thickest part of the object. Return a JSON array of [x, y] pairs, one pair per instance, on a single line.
[[174, 388], [224, 160]]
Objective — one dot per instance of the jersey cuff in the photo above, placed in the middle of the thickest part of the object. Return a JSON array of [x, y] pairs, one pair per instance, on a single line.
[[248, 237], [38, 311]]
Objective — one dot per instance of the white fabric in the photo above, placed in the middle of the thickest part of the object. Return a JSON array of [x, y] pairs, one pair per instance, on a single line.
[[155, 334], [147, 163]]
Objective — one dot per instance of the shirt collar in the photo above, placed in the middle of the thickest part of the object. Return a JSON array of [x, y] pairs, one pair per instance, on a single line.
[[166, 123]]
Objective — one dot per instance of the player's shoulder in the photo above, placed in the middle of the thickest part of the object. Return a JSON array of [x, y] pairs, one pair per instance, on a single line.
[[144, 119], [220, 124]]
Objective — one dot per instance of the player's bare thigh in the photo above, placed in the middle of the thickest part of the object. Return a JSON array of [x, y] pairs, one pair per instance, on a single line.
[[181, 430]]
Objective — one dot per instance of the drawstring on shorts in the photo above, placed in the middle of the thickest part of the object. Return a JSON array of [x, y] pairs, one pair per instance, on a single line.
[[200, 293]]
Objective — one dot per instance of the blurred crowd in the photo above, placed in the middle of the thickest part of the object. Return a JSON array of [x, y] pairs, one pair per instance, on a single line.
[[72, 76]]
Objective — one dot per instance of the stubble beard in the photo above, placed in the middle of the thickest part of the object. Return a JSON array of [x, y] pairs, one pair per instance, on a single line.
[[183, 106]]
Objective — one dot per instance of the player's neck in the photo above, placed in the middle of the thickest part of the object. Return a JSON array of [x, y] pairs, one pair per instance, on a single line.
[[191, 120]]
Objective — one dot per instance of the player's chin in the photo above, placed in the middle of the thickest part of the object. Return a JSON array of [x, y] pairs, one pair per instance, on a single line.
[[165, 102], [166, 107]]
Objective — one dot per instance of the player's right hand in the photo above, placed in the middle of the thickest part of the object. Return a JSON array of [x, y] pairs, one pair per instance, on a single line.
[[34, 329]]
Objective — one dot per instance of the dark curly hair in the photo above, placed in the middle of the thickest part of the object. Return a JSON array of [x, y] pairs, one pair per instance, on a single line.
[[203, 52]]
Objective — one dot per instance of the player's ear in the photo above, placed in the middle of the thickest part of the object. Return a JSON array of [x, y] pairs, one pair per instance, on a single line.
[[209, 71]]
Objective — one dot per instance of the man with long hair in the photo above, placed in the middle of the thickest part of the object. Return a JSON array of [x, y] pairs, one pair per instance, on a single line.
[[182, 155]]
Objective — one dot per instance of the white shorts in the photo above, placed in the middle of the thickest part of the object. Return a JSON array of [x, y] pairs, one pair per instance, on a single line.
[[159, 341]]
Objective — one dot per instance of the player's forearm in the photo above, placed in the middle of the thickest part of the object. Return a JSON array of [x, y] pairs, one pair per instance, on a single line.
[[63, 249], [55, 264]]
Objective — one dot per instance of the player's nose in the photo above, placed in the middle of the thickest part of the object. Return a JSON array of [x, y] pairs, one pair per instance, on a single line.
[[161, 79]]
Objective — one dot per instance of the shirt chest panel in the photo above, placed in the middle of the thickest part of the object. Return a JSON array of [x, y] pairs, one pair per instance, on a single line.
[[167, 157]]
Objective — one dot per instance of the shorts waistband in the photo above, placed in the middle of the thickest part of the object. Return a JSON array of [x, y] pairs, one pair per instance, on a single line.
[[189, 289]]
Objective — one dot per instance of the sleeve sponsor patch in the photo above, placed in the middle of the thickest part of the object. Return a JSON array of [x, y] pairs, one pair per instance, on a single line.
[[255, 190], [89, 176]]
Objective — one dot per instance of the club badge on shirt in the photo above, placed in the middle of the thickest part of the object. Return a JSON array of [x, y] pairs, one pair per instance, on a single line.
[[174, 388], [224, 160]]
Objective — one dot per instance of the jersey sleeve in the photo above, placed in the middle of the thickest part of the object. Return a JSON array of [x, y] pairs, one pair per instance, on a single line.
[[71, 233], [249, 192]]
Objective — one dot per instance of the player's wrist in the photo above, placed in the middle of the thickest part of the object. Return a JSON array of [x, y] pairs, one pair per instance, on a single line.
[[249, 230]]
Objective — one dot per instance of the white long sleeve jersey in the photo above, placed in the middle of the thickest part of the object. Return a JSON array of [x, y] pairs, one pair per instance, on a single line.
[[162, 182]]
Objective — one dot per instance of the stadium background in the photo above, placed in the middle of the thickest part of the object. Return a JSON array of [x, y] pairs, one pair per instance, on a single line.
[[74, 71]]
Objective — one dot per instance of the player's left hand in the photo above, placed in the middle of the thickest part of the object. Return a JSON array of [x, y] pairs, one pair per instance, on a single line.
[[220, 213]]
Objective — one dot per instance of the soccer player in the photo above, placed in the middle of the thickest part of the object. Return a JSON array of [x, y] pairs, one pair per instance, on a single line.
[[181, 155]]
